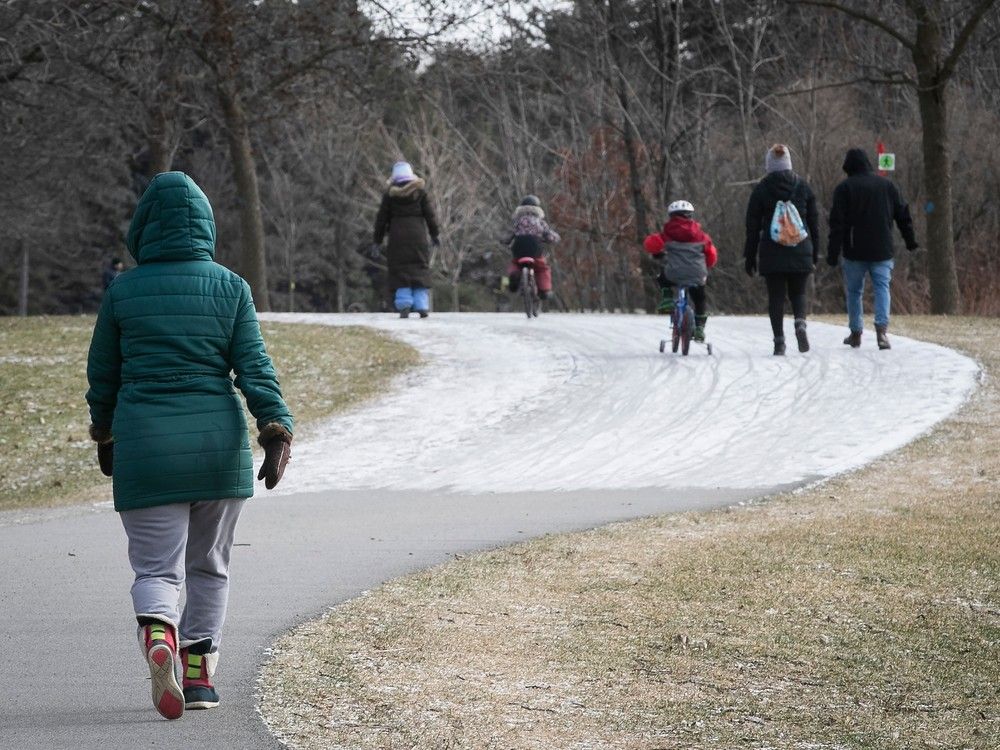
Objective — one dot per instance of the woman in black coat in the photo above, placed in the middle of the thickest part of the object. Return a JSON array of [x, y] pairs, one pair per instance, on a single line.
[[785, 268], [407, 215]]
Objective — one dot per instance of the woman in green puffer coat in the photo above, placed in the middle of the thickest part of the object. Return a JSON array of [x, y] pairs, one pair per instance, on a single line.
[[171, 432]]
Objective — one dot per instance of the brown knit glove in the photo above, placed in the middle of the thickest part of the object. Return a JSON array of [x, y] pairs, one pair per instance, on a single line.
[[105, 448], [277, 444]]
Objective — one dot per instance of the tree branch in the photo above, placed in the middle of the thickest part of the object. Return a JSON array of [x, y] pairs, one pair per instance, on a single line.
[[964, 37], [308, 64], [868, 18], [34, 55], [891, 81]]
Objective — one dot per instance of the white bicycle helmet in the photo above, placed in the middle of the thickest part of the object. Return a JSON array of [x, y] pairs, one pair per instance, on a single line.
[[680, 207]]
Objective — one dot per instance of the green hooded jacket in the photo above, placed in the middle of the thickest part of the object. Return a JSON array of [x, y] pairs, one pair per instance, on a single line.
[[167, 337]]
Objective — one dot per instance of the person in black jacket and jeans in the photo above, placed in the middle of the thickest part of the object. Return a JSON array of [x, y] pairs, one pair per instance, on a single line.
[[864, 208], [785, 268]]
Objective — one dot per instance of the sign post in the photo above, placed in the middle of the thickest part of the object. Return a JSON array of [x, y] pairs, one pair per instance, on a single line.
[[886, 163]]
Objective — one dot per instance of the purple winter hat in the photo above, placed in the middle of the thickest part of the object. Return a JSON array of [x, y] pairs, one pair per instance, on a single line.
[[401, 172]]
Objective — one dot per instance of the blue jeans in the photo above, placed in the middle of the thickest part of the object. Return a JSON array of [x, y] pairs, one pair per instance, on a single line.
[[854, 283], [413, 298]]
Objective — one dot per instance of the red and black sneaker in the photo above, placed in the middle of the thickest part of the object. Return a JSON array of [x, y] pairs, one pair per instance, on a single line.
[[160, 644], [199, 666]]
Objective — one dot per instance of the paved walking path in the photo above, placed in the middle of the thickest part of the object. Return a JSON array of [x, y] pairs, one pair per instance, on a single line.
[[579, 417]]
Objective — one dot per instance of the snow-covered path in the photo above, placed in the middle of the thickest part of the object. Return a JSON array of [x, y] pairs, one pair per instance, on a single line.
[[571, 402]]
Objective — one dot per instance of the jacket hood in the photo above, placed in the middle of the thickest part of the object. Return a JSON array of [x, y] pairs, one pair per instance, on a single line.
[[681, 229], [406, 189], [535, 211], [857, 162], [173, 221], [781, 183]]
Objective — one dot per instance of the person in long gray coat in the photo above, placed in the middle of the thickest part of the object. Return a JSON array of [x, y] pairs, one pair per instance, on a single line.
[[407, 216]]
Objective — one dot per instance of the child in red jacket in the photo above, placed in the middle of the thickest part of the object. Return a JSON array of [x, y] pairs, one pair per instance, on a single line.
[[686, 253]]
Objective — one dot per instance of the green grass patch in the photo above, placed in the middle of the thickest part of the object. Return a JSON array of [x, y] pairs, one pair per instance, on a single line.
[[50, 460]]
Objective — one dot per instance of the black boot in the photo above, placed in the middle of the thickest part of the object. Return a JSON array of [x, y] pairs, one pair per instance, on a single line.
[[779, 346], [424, 313], [854, 340], [882, 337], [404, 313], [800, 335]]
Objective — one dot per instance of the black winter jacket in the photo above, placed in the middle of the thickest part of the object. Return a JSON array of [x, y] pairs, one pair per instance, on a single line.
[[864, 207], [407, 215], [775, 258]]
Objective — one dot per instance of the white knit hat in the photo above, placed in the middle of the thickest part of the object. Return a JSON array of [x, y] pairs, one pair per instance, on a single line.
[[778, 159], [402, 172]]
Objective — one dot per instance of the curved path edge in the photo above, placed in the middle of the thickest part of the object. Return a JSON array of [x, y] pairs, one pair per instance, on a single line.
[[73, 676]]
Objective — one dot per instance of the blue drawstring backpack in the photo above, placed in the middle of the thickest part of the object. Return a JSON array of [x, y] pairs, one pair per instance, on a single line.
[[787, 227]]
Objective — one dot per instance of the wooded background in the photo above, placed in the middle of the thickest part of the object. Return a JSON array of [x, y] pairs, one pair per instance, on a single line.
[[290, 114]]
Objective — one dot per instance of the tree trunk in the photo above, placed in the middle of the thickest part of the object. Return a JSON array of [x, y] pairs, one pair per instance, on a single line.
[[454, 295], [162, 128], [634, 178], [667, 40], [945, 296], [161, 150], [252, 266], [628, 127], [22, 302], [339, 250], [341, 286]]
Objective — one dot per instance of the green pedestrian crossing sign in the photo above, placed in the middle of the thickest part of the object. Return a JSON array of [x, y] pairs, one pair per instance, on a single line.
[[886, 162]]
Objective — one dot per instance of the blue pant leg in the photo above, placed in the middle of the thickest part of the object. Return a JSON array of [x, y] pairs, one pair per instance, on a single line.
[[854, 289], [421, 299], [404, 298], [881, 273]]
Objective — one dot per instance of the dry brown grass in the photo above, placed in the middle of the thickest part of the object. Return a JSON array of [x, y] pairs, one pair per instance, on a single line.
[[49, 458], [862, 613]]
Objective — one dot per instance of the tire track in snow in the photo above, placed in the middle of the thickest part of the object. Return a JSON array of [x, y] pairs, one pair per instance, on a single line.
[[572, 402]]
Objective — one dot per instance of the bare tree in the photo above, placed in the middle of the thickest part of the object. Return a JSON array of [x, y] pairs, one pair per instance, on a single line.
[[936, 35], [746, 59], [604, 108]]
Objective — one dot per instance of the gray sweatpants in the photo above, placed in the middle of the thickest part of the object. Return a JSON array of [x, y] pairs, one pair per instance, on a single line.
[[177, 544]]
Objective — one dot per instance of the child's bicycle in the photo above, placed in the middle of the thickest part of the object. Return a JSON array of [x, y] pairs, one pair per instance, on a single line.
[[529, 288], [682, 325]]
